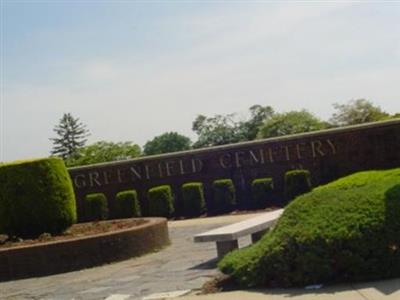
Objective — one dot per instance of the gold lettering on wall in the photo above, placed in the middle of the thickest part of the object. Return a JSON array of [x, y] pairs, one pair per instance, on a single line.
[[332, 145], [316, 148], [239, 158], [169, 168], [286, 151], [197, 165], [94, 179], [181, 167], [254, 159], [225, 161], [80, 181], [135, 173], [299, 150]]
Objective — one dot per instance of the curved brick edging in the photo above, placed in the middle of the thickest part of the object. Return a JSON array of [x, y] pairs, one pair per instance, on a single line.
[[79, 253]]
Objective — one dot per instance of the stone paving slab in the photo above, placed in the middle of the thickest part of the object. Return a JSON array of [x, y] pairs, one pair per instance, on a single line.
[[182, 265]]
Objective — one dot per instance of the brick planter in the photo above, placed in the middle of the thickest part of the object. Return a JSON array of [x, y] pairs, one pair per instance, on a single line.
[[74, 254]]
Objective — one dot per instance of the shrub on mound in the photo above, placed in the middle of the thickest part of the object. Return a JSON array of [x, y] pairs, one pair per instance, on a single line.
[[35, 197], [127, 204], [193, 199], [347, 230], [96, 207], [161, 201]]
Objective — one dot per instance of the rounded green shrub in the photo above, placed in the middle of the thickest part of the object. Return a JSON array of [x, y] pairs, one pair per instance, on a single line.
[[261, 192], [193, 199], [297, 182], [36, 196], [96, 207], [344, 231], [224, 195], [127, 204], [161, 201]]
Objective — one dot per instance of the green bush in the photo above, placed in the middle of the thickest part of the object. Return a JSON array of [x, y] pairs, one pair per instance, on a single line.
[[193, 199], [345, 231], [127, 205], [261, 190], [35, 197], [297, 182], [161, 201], [96, 207], [224, 195]]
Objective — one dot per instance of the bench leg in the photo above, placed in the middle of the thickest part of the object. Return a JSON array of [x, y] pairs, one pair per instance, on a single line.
[[257, 235], [227, 246]]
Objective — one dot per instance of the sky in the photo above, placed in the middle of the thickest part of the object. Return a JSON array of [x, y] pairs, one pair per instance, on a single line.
[[132, 70]]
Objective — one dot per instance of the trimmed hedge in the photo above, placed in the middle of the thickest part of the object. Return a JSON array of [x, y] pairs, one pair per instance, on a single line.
[[161, 201], [193, 199], [261, 190], [36, 196], [224, 195], [345, 231], [96, 207], [297, 182], [127, 204]]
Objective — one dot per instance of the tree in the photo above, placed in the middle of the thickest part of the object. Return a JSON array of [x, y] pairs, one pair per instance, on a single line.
[[103, 151], [258, 115], [217, 130], [71, 136], [290, 123], [166, 143], [357, 112]]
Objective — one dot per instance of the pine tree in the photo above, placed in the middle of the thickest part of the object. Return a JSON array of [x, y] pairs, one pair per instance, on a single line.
[[71, 136]]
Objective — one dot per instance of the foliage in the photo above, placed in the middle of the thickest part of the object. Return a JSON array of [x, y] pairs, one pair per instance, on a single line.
[[96, 207], [161, 201], [357, 112], [104, 152], [35, 197], [226, 129], [290, 123], [258, 115], [193, 199], [261, 190], [127, 204], [345, 231], [71, 136], [224, 195], [217, 130], [166, 143], [297, 182]]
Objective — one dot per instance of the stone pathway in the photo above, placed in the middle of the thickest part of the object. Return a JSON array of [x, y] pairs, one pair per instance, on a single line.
[[183, 265]]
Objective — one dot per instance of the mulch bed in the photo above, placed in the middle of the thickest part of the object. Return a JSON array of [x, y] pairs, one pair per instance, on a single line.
[[220, 283], [75, 231]]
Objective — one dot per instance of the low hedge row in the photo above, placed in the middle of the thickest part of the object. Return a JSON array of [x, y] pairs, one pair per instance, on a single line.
[[161, 200]]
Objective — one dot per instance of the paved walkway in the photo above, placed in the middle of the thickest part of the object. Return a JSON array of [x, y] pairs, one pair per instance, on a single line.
[[182, 265], [380, 290]]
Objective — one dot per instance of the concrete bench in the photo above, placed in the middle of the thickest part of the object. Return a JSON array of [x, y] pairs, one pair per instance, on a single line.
[[227, 237]]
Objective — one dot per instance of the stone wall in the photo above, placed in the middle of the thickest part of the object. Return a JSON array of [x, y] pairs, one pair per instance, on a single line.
[[327, 154]]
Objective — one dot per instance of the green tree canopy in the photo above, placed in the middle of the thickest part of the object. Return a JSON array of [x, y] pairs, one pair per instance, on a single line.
[[290, 123], [166, 143], [217, 130], [104, 152], [71, 136], [357, 112], [258, 115], [226, 129]]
